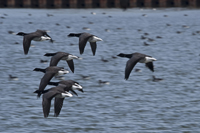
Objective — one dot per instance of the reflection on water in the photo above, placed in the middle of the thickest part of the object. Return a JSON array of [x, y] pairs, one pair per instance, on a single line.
[[135, 105]]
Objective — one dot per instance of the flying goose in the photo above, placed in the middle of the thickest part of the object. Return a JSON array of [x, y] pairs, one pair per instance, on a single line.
[[134, 59], [75, 85], [50, 72], [84, 38], [38, 35], [56, 57], [59, 92]]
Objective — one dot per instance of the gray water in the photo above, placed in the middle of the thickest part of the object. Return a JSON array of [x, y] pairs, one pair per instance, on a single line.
[[137, 105]]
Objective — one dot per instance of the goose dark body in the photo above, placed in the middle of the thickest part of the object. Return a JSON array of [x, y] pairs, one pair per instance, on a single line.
[[59, 92], [36, 36], [134, 59], [48, 95], [84, 38], [50, 72], [66, 83], [56, 57]]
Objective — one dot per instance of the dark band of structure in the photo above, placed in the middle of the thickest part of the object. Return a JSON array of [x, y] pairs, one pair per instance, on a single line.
[[97, 3]]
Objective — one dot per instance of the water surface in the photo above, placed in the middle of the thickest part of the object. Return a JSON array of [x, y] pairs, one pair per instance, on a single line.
[[137, 105]]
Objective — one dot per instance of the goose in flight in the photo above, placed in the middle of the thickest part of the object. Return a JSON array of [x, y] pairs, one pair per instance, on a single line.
[[38, 35], [75, 85], [56, 57], [50, 72], [84, 38], [134, 59], [59, 92]]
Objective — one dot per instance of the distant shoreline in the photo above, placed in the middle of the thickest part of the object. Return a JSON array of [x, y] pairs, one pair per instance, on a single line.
[[98, 3]]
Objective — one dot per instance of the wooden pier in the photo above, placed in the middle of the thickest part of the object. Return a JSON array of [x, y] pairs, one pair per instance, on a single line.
[[98, 3]]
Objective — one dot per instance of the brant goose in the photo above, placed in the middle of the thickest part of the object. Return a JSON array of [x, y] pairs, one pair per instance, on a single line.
[[134, 59], [168, 24], [114, 57], [49, 15], [86, 28], [144, 15], [150, 39], [59, 92], [43, 61], [193, 34], [12, 77], [156, 79], [85, 77], [158, 37], [104, 82], [93, 13], [62, 56], [50, 72], [143, 37], [104, 60], [138, 70], [146, 44], [178, 32], [107, 30], [83, 38], [39, 35], [11, 32], [66, 83]]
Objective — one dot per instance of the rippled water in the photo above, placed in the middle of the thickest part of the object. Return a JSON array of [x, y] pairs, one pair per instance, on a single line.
[[136, 105]]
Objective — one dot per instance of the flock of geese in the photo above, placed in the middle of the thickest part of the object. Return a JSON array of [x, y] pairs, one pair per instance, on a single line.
[[63, 88]]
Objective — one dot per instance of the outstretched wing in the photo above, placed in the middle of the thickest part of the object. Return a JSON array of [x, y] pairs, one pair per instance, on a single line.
[[55, 59], [58, 103], [130, 65], [93, 47], [26, 43], [71, 65], [83, 38], [46, 102], [150, 66], [45, 80]]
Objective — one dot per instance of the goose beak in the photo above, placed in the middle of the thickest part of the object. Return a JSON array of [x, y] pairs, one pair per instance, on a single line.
[[51, 40], [81, 90]]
